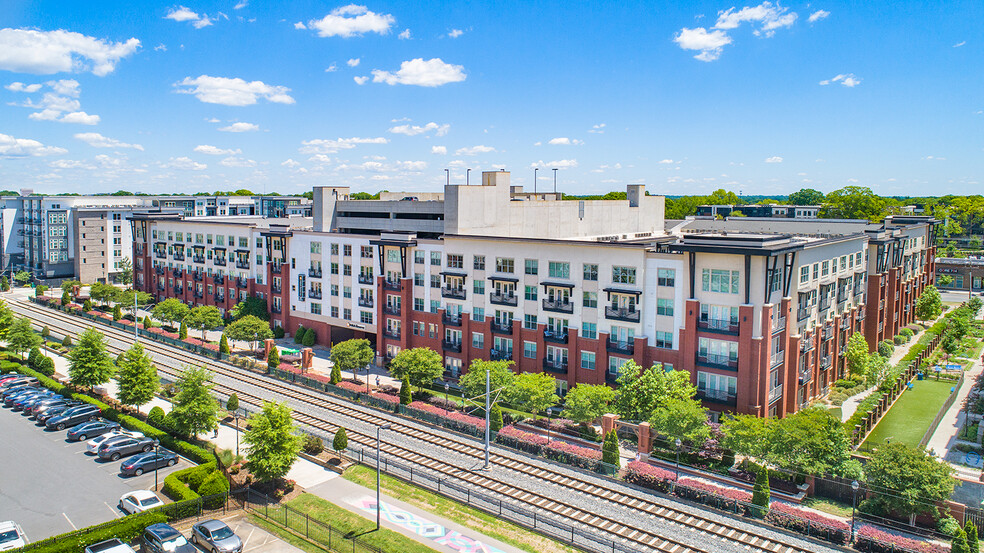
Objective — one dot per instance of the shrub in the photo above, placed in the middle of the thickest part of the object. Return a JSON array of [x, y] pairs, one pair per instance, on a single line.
[[67, 341], [182, 331], [310, 337], [117, 313], [523, 441], [495, 419], [313, 445], [34, 357], [214, 485], [223, 344], [195, 476], [609, 449], [760, 493], [45, 332], [176, 489], [299, 334], [156, 416], [899, 339], [233, 402], [949, 526], [869, 538], [570, 454], [808, 522], [729, 499], [907, 333], [87, 305], [278, 332], [648, 476], [273, 358], [126, 529], [885, 348], [46, 366], [406, 395]]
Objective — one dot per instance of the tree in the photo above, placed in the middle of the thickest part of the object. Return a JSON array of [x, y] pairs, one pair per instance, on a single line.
[[251, 306], [34, 357], [639, 393], [22, 277], [273, 358], [21, 337], [682, 418], [854, 202], [336, 375], [350, 356], [340, 442], [913, 481], [532, 392], [973, 543], [6, 320], [806, 196], [472, 383], [67, 341], [101, 292], [88, 363], [299, 334], [204, 318], [406, 395], [232, 404], [117, 313], [609, 450], [419, 365], [170, 311], [147, 323], [223, 344], [272, 441], [66, 297], [126, 271], [194, 407], [760, 493], [4, 284], [70, 284], [46, 366], [248, 329], [586, 402], [87, 305], [124, 299], [136, 377], [929, 305], [959, 542], [856, 355], [944, 280], [495, 418], [182, 331], [310, 337]]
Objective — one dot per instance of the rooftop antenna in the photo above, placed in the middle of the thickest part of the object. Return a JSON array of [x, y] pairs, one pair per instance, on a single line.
[[535, 169], [555, 179]]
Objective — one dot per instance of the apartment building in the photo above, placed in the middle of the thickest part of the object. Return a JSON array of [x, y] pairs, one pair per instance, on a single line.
[[966, 274], [221, 206], [761, 210]]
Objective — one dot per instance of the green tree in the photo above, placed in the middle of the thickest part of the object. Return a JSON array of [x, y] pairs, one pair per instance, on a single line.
[[147, 322], [182, 331], [232, 404], [156, 416], [299, 334], [88, 363], [350, 356], [854, 202], [973, 543], [336, 375], [45, 332], [67, 341], [22, 277], [929, 305], [406, 395], [959, 542], [4, 284], [760, 493], [34, 357], [124, 299], [6, 320], [194, 407], [856, 355], [495, 418], [586, 402], [117, 312], [223, 344], [273, 359], [310, 337], [203, 318], [472, 383], [532, 392], [21, 337], [248, 329], [272, 441], [609, 450], [137, 377], [913, 481], [806, 196], [126, 271], [170, 311], [419, 365], [66, 297], [103, 293], [87, 305], [46, 366], [251, 306], [639, 393], [340, 442], [682, 418]]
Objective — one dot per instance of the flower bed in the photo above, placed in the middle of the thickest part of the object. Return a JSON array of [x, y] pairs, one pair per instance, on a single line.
[[728, 499], [476, 423], [571, 454], [808, 522], [386, 398], [352, 386], [193, 342], [875, 540], [523, 441], [162, 332], [428, 408], [648, 476]]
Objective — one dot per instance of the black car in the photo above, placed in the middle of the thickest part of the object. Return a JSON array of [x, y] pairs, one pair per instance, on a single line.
[[17, 393], [114, 448], [161, 538], [34, 408], [14, 382], [73, 416], [10, 376], [145, 462], [53, 410], [88, 430], [25, 400]]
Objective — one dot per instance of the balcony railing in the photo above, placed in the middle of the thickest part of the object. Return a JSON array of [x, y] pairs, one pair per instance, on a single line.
[[827, 333], [717, 396], [393, 333], [719, 325], [610, 377], [845, 323], [506, 298], [218, 279], [776, 359], [242, 264], [276, 289], [160, 286], [138, 249], [775, 394], [860, 315], [825, 362], [276, 268], [627, 314], [620, 346], [391, 309], [450, 345], [218, 297], [197, 276], [453, 293], [393, 285], [842, 296], [315, 294], [178, 290], [501, 355], [198, 259], [451, 319], [219, 261], [502, 327], [177, 273], [199, 295], [717, 360], [178, 256], [363, 278], [558, 305], [365, 301], [778, 324], [806, 345], [276, 309], [554, 335], [802, 313], [555, 365], [242, 283], [314, 272], [159, 270], [805, 376]]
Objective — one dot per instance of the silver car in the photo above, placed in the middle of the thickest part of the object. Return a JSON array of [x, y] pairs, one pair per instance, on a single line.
[[215, 536]]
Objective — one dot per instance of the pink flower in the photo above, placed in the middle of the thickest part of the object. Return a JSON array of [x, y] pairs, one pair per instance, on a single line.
[[727, 493], [521, 436], [869, 534], [388, 398], [572, 449], [352, 386]]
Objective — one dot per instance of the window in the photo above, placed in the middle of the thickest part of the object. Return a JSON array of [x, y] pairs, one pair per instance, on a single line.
[[436, 259], [530, 293], [478, 263], [589, 330], [347, 251], [529, 322], [435, 306], [418, 279], [719, 316], [666, 277], [843, 264], [721, 352], [615, 363], [316, 308], [478, 340], [456, 261], [346, 291], [364, 251], [716, 386], [478, 314], [532, 266], [418, 304], [346, 270], [816, 271], [529, 350], [664, 339], [347, 314], [718, 280], [504, 265], [664, 307], [624, 275], [805, 273], [334, 268], [418, 257], [435, 281], [590, 271], [478, 286], [857, 258], [334, 290], [588, 360], [365, 317], [559, 269], [826, 268], [590, 299]]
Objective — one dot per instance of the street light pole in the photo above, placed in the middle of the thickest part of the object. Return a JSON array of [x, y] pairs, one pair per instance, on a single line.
[[236, 416], [854, 505], [534, 179], [549, 412], [378, 504], [157, 450], [678, 443]]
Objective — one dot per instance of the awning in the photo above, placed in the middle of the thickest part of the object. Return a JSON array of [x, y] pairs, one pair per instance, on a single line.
[[461, 274], [617, 290], [503, 279], [556, 284]]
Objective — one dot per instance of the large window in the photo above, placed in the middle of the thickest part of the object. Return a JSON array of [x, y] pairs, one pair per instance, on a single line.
[[530, 293], [666, 277], [505, 265], [719, 316], [623, 275], [719, 280], [805, 273], [529, 350], [456, 261], [722, 352], [532, 266], [559, 269], [716, 386], [590, 271], [479, 263], [664, 339], [589, 330], [664, 307], [590, 299], [478, 286], [588, 360]]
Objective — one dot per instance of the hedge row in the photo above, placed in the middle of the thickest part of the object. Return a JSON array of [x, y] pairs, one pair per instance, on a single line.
[[126, 529]]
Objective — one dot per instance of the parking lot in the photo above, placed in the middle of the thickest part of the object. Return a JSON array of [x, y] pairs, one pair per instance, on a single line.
[[255, 539], [49, 485]]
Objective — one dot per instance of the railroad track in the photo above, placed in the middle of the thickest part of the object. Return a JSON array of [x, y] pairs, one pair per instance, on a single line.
[[572, 481]]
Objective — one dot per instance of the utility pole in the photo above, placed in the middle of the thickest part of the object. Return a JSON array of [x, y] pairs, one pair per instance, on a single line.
[[488, 393]]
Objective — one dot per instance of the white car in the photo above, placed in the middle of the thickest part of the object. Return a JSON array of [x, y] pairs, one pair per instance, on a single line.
[[11, 536], [92, 446], [139, 501]]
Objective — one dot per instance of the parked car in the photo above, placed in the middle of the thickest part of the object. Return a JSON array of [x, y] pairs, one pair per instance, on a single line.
[[216, 536], [139, 501], [29, 399], [162, 538], [88, 430], [92, 446], [114, 449], [73, 416], [45, 414], [11, 536], [145, 462], [47, 402], [109, 546], [24, 380], [17, 393], [10, 376]]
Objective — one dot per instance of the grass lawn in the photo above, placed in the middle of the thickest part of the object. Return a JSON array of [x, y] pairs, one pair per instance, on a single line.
[[464, 515], [912, 414], [829, 506]]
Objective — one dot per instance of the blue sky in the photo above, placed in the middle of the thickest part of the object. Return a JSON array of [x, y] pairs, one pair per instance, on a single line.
[[687, 98]]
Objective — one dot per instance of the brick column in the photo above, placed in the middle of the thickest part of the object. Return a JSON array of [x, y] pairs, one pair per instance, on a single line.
[[608, 423], [307, 357], [268, 346], [644, 433]]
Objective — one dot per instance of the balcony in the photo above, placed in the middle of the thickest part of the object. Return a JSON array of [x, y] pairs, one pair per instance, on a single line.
[[275, 289], [393, 333], [827, 333], [160, 286], [806, 345], [504, 298], [242, 283], [860, 315], [451, 319], [825, 362], [276, 268], [717, 361], [723, 326], [630, 315], [451, 345], [805, 376], [777, 359], [802, 313], [197, 276], [555, 365], [159, 270], [219, 298], [825, 303], [218, 279], [611, 378], [178, 290], [242, 263], [842, 296], [558, 305], [177, 273], [363, 278], [620, 346], [392, 309], [723, 397], [502, 327], [775, 394], [393, 285], [314, 294], [178, 256], [778, 324], [501, 355], [365, 301], [453, 293], [219, 261], [556, 336], [276, 309], [845, 323], [198, 259], [138, 249], [199, 295], [314, 272]]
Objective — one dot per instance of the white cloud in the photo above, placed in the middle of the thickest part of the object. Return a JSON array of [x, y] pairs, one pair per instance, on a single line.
[[203, 22], [233, 92], [959, 44], [80, 117], [439, 150], [70, 164], [181, 13], [160, 47], [240, 127], [818, 15], [413, 130], [186, 163], [331, 68], [242, 4], [405, 35], [238, 162], [934, 158], [474, 150], [598, 129], [360, 80], [558, 164], [354, 62], [564, 141], [299, 25], [455, 33], [11, 147], [290, 163], [352, 20], [666, 161], [97, 140], [433, 72], [327, 146], [47, 52], [848, 80], [774, 159], [213, 120], [215, 151], [21, 87], [708, 43]]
